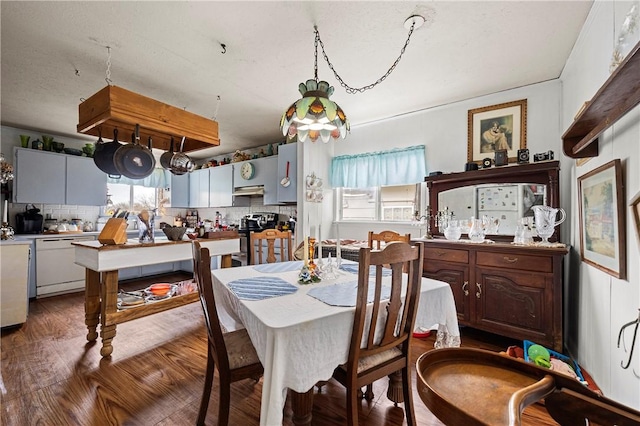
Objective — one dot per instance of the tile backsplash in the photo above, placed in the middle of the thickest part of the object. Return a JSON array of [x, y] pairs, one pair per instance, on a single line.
[[231, 215]]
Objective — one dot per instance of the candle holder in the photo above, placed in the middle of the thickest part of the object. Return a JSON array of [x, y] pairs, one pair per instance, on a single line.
[[312, 250], [309, 273], [6, 232]]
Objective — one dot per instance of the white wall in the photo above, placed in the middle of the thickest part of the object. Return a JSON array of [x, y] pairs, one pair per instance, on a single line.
[[597, 304]]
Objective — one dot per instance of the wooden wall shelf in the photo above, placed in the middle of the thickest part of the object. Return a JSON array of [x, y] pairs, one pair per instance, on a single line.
[[114, 107], [617, 96]]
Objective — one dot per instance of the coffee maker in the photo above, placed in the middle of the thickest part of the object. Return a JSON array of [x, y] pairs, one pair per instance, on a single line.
[[30, 221]]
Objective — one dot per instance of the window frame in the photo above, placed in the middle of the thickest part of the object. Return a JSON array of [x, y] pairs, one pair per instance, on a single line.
[[379, 217]]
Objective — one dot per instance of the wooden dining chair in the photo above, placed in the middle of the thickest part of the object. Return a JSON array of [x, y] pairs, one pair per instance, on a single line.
[[381, 336], [376, 240], [231, 353], [259, 241]]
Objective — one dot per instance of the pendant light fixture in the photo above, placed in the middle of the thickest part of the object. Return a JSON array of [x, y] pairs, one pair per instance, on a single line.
[[316, 116]]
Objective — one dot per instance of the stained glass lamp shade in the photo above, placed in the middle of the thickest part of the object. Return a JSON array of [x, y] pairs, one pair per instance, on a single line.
[[314, 115]]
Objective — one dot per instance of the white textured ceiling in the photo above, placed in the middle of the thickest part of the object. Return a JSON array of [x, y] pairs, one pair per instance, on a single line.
[[54, 53]]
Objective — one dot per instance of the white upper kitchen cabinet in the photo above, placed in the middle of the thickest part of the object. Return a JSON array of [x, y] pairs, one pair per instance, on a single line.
[[180, 190], [221, 186], [199, 188], [86, 183], [39, 176], [52, 178], [263, 169], [269, 166], [288, 161]]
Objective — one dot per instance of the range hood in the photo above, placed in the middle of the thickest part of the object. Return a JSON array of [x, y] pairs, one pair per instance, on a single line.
[[249, 191]]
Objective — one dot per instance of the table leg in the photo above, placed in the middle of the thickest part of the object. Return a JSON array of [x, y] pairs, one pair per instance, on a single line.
[[225, 261], [394, 391], [302, 404], [109, 298], [91, 303]]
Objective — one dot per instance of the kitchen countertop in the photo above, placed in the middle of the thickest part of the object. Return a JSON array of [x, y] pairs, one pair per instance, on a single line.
[[158, 234], [13, 242]]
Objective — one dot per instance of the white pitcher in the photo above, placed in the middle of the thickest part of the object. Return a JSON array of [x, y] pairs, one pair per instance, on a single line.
[[545, 218]]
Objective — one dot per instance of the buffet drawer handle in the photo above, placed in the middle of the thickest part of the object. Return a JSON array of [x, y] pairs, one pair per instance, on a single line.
[[510, 259], [440, 253], [479, 292]]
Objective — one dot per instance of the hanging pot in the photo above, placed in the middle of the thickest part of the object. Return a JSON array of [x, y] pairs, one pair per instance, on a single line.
[[134, 160], [103, 156], [165, 158], [180, 162]]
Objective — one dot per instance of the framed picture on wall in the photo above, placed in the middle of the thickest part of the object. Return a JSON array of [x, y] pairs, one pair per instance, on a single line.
[[497, 127], [602, 219], [635, 212]]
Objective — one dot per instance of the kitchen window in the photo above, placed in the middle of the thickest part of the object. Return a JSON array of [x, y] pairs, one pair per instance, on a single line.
[[137, 197], [396, 203]]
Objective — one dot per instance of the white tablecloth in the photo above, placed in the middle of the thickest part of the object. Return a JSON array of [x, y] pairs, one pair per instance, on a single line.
[[301, 340]]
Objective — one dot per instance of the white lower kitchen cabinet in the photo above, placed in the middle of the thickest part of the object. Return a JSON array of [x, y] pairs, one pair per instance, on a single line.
[[14, 282], [56, 271]]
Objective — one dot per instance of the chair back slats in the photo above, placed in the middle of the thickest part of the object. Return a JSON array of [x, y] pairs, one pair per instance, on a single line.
[[387, 324], [267, 239], [202, 275]]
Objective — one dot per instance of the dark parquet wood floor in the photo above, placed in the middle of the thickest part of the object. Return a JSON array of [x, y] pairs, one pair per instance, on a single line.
[[52, 376]]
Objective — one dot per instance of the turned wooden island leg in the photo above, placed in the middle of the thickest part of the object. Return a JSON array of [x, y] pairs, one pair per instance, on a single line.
[[225, 262], [91, 303], [109, 306], [302, 405]]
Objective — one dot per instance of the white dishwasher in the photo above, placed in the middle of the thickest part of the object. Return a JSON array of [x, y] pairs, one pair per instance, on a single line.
[[56, 270]]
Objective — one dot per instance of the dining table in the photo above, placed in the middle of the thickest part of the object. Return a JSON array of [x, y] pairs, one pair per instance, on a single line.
[[301, 332]]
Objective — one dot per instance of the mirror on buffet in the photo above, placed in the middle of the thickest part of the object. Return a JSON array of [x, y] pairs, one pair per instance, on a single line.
[[501, 198], [500, 206]]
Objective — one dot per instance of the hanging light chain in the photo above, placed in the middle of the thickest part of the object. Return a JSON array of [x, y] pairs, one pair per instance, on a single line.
[[349, 89], [108, 79]]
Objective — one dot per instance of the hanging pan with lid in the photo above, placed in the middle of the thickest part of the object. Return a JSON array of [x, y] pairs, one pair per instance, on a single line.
[[135, 160], [103, 155], [180, 162]]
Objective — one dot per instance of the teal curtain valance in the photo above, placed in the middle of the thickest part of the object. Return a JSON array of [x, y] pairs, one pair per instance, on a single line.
[[159, 178], [402, 166]]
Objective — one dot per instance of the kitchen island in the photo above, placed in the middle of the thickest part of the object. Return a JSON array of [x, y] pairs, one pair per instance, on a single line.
[[102, 262]]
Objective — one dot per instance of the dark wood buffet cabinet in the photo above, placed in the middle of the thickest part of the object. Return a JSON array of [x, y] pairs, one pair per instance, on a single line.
[[500, 287], [505, 289]]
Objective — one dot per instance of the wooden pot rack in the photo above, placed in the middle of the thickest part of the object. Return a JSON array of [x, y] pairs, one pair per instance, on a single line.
[[117, 108], [617, 96]]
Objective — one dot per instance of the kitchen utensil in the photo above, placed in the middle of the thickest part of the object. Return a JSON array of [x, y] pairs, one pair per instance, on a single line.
[[180, 162], [134, 160], [103, 156], [285, 180], [165, 158]]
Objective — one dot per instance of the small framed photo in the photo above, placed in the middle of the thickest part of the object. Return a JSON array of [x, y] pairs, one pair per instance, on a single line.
[[495, 128], [602, 219], [501, 158]]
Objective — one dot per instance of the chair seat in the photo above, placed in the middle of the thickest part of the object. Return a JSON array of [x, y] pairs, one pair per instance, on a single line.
[[374, 360], [240, 349]]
